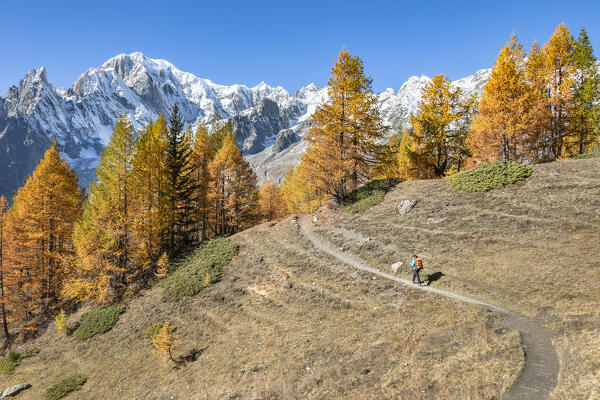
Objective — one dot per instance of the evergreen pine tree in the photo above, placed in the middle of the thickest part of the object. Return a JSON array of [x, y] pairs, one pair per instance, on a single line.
[[180, 186], [586, 113]]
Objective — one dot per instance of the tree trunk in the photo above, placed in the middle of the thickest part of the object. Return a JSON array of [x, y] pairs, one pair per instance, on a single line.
[[581, 135], [505, 154]]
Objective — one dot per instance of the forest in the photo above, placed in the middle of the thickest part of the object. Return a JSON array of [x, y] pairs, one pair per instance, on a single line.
[[162, 191]]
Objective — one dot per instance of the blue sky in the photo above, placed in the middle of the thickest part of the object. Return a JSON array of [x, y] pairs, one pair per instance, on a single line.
[[287, 43]]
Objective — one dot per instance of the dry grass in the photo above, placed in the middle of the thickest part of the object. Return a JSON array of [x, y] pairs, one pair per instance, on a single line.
[[532, 247], [318, 330]]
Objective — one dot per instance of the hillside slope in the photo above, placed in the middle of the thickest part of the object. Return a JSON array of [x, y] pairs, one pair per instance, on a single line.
[[531, 247], [288, 321]]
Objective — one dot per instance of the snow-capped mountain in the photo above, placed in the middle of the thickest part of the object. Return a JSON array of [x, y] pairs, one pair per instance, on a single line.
[[269, 122]]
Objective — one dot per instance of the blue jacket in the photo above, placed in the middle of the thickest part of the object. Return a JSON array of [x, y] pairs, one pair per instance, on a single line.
[[413, 264]]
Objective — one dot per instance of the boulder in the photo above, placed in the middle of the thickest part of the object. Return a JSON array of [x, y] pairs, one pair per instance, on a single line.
[[13, 390], [406, 206], [396, 266]]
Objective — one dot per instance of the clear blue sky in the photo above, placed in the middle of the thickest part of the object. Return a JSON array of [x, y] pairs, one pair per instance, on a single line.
[[287, 43]]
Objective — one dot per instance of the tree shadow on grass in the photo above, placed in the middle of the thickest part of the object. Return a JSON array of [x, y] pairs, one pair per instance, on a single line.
[[188, 357]]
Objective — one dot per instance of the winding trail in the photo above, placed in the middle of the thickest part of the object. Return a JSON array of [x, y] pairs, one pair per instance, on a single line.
[[538, 378]]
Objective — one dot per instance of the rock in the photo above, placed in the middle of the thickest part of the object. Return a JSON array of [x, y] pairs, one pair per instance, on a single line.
[[13, 390], [315, 219], [406, 206], [396, 266]]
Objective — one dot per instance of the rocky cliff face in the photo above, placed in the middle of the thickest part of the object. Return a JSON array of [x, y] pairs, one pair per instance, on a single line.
[[269, 122]]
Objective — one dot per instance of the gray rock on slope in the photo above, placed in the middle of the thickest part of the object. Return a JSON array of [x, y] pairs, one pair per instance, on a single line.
[[14, 390], [406, 206]]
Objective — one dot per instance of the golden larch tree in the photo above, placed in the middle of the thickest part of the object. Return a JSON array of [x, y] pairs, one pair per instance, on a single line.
[[271, 203], [40, 249], [299, 194], [560, 74], [501, 122], [233, 193], [148, 202], [3, 239], [202, 155], [102, 235], [436, 143], [164, 341], [343, 141]]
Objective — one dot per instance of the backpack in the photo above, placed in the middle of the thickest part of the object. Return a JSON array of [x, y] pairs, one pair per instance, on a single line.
[[419, 264]]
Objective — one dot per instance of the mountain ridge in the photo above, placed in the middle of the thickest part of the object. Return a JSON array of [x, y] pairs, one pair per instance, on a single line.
[[268, 120]]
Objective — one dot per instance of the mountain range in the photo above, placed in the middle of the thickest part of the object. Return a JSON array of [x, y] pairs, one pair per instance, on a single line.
[[269, 122]]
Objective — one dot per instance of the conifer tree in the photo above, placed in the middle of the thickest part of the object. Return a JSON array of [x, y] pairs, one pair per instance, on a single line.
[[298, 193], [40, 227], [271, 203], [343, 139], [202, 155], [535, 142], [387, 165], [150, 205], [180, 188], [164, 341], [502, 120], [3, 210], [162, 266], [586, 113], [103, 234], [436, 144], [233, 192], [560, 73]]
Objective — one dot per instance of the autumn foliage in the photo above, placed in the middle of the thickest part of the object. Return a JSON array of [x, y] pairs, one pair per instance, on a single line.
[[38, 257]]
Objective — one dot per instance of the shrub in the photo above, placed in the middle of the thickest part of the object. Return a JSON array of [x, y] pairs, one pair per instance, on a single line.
[[369, 194], [64, 387], [591, 154], [201, 269], [12, 361], [489, 176], [61, 323], [163, 341], [152, 329], [97, 321]]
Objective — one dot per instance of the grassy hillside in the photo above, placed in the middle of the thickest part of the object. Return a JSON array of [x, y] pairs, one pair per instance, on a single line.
[[532, 247], [286, 322]]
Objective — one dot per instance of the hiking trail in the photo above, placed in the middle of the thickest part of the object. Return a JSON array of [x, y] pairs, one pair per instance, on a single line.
[[539, 376]]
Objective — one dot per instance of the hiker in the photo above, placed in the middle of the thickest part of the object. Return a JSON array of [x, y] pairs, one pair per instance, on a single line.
[[417, 266]]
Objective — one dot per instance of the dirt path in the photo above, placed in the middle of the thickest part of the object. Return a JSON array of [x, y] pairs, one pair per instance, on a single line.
[[539, 375]]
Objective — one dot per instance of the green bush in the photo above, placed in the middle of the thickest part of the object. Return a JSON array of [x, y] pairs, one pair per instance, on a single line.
[[12, 361], [201, 269], [369, 195], [64, 387], [97, 321], [489, 176], [152, 329], [591, 154]]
